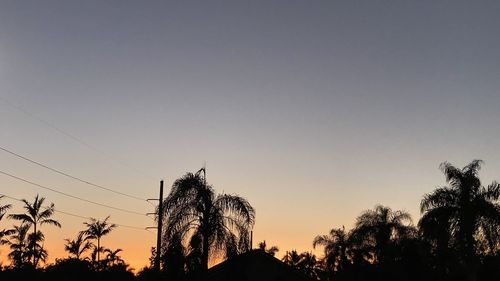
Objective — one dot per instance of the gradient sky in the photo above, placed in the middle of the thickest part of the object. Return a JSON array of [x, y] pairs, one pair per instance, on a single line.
[[312, 110]]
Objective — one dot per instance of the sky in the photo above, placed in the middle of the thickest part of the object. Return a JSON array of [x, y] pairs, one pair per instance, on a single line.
[[312, 110]]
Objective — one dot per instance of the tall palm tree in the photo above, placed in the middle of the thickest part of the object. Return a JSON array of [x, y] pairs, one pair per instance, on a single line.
[[381, 229], [458, 212], [96, 229], [211, 224], [336, 246], [4, 232], [78, 246], [35, 216]]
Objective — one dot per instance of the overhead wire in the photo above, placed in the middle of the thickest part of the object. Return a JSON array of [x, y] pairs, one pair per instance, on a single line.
[[71, 196], [71, 136], [71, 176], [79, 216]]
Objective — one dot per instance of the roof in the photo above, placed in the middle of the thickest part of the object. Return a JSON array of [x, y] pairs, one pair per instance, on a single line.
[[255, 265]]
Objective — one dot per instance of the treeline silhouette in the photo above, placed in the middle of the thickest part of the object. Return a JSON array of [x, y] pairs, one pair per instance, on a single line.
[[456, 238]]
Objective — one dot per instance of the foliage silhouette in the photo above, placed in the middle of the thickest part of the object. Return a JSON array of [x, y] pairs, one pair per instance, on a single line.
[[35, 216], [96, 229], [176, 264], [304, 262], [458, 238], [4, 232], [379, 231], [18, 244], [272, 250], [458, 214], [337, 245], [112, 257], [78, 246], [210, 225]]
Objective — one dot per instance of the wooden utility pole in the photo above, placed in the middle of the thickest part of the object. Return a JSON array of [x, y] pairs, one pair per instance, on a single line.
[[159, 229]]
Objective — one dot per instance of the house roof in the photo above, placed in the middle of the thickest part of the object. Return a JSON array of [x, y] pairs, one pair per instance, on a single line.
[[255, 265]]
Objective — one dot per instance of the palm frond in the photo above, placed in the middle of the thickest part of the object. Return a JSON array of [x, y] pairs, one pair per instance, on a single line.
[[440, 197], [22, 217], [236, 205]]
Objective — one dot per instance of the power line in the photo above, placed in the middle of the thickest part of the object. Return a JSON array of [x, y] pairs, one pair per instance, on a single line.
[[71, 136], [71, 196], [79, 216], [70, 176], [83, 217]]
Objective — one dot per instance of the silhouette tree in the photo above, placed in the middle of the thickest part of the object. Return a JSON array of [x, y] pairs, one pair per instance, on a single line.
[[305, 262], [4, 232], [379, 230], [212, 224], [175, 263], [272, 250], [309, 265], [18, 245], [78, 246], [490, 236], [336, 246], [36, 249], [457, 214], [112, 257], [96, 229], [292, 258], [35, 216]]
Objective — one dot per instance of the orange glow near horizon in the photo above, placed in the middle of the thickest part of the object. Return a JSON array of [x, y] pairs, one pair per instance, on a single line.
[[283, 223]]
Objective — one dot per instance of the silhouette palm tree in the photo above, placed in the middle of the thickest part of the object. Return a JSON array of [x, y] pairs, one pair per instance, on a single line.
[[292, 258], [305, 262], [78, 246], [112, 257], [96, 229], [458, 212], [4, 232], [309, 265], [380, 229], [18, 245], [210, 223], [3, 208], [35, 216], [272, 250], [36, 248], [336, 246]]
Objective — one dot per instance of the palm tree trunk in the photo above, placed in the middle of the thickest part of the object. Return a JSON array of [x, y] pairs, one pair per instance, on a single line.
[[98, 249], [204, 257], [33, 245]]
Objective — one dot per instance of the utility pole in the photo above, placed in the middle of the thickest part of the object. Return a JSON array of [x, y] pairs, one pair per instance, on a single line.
[[159, 227]]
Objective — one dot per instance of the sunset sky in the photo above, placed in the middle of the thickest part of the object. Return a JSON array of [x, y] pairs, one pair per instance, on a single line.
[[312, 110]]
